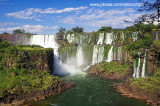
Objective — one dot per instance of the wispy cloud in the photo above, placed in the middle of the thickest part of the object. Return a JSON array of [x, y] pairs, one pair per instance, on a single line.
[[98, 18], [2, 24], [36, 13], [30, 28]]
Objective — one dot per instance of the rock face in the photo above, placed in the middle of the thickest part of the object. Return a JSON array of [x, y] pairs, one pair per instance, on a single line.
[[93, 71], [126, 90], [28, 59], [38, 95], [16, 38]]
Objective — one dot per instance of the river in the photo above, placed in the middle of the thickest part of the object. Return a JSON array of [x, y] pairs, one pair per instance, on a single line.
[[89, 91]]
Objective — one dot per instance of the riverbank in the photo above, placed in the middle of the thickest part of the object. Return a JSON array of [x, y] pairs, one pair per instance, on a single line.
[[146, 89], [36, 95]]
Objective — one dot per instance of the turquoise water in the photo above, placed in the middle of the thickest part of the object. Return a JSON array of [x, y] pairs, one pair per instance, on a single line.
[[89, 91]]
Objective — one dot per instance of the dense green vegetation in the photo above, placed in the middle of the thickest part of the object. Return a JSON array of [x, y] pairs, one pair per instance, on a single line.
[[19, 81], [150, 84], [113, 67], [23, 69]]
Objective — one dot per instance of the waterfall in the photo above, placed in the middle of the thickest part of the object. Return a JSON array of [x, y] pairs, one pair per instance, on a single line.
[[49, 41], [119, 53], [98, 53], [139, 63], [123, 36], [110, 55], [114, 54], [135, 69], [70, 38], [126, 58], [157, 38], [135, 36], [101, 38], [108, 39], [79, 56], [144, 64]]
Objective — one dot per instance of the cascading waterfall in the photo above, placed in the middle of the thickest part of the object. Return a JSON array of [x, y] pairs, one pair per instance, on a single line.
[[119, 57], [114, 54], [110, 55], [135, 36], [70, 38], [108, 39], [123, 36], [137, 69], [79, 56], [98, 50], [98, 53], [157, 38], [144, 64], [139, 63], [101, 38], [49, 41], [126, 58]]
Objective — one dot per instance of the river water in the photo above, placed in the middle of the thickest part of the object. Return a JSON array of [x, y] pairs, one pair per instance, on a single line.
[[89, 91]]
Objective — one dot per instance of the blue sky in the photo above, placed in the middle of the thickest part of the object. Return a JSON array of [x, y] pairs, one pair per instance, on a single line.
[[46, 16]]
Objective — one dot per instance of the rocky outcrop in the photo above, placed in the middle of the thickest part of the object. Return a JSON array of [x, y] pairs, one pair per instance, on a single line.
[[16, 38], [94, 71], [28, 59], [126, 90], [38, 95]]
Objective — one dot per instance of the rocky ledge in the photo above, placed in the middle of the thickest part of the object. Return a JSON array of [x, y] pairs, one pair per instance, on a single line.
[[135, 92], [105, 74], [37, 95]]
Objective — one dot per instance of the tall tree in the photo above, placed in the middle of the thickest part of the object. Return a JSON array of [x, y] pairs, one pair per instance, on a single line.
[[62, 30], [153, 9], [18, 31], [77, 29]]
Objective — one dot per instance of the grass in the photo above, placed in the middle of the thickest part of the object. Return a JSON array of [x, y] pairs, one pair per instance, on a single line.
[[151, 84], [113, 67], [15, 81]]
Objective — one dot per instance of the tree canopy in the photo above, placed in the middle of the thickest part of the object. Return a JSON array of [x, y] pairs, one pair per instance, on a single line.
[[105, 29], [18, 31], [77, 29]]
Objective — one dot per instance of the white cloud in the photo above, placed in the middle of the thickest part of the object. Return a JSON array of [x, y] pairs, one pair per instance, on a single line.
[[33, 13], [29, 28], [98, 18], [2, 24]]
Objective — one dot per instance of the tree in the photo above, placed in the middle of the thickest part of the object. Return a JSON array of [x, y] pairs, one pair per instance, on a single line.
[[105, 29], [77, 29], [153, 8], [18, 31], [5, 33], [62, 30]]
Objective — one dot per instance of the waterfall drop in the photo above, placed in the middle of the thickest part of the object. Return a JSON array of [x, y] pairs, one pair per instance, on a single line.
[[110, 55], [144, 64]]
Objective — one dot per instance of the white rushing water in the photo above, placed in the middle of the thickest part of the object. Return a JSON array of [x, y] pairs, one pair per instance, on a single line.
[[101, 38], [144, 64], [137, 69], [139, 63], [108, 39], [98, 50], [119, 57], [70, 38], [79, 56], [110, 55], [135, 36], [49, 41], [98, 53], [157, 38]]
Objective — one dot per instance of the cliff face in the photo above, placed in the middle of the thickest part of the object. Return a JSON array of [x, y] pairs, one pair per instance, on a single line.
[[27, 59], [16, 38]]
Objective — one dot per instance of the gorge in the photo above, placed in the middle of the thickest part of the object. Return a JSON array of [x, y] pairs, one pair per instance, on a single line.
[[96, 61]]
